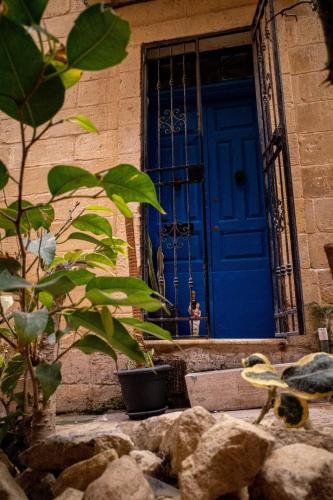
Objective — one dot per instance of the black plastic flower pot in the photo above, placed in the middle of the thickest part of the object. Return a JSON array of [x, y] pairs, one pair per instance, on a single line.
[[144, 391]]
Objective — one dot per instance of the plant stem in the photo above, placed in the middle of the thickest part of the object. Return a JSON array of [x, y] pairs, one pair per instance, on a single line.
[[267, 406]]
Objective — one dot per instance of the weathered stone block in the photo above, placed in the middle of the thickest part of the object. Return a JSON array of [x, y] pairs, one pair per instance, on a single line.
[[324, 214], [227, 390], [307, 58], [326, 286], [318, 257], [317, 182], [316, 148], [314, 116]]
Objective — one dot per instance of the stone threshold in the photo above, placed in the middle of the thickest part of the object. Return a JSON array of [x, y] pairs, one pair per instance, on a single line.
[[217, 342]]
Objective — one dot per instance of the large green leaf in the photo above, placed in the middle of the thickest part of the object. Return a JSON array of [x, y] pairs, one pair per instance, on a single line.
[[255, 359], [7, 218], [12, 373], [62, 179], [29, 326], [25, 93], [312, 376], [10, 282], [94, 224], [49, 377], [262, 375], [56, 286], [294, 411], [120, 338], [130, 184], [12, 265], [91, 320], [98, 39], [44, 247], [36, 217], [89, 344], [147, 327], [27, 12], [96, 259], [4, 175], [121, 291]]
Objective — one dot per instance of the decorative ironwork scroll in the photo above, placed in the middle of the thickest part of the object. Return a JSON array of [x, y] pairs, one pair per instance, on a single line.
[[288, 304]]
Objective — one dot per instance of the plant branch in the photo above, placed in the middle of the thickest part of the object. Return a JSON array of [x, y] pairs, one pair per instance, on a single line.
[[267, 406], [34, 380]]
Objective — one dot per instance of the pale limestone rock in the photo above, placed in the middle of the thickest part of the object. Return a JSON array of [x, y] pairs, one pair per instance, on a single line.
[[66, 448], [311, 437], [70, 494], [81, 474], [148, 462], [295, 472], [163, 491], [148, 434], [227, 458], [122, 480], [183, 436], [9, 489]]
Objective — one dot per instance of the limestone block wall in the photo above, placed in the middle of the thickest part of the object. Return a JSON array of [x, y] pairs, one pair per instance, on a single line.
[[112, 100]]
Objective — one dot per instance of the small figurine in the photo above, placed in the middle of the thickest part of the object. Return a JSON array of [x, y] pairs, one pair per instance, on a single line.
[[195, 313]]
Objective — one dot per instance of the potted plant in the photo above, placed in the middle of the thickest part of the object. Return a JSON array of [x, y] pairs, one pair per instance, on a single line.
[[48, 295]]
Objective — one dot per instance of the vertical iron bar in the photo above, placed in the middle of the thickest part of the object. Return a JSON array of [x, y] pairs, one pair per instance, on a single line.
[[288, 177], [190, 278], [174, 202], [200, 142]]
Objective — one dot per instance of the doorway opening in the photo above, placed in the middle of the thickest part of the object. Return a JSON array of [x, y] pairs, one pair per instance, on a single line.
[[210, 255]]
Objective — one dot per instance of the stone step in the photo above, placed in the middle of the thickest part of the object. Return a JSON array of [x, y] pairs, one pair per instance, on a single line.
[[221, 390]]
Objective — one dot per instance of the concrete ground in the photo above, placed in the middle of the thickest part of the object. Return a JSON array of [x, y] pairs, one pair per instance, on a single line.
[[321, 415]]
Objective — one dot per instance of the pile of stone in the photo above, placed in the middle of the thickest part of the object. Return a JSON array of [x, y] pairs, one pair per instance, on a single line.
[[189, 455]]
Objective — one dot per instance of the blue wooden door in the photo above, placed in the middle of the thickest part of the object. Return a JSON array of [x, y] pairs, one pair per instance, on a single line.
[[239, 265], [224, 205]]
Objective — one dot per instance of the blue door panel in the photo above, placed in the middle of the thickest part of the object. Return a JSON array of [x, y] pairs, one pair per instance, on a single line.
[[230, 204]]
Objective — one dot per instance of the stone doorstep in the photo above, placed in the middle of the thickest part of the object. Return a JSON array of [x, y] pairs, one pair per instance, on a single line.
[[222, 390]]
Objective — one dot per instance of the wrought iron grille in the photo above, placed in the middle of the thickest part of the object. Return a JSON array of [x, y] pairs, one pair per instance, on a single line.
[[174, 74], [288, 304]]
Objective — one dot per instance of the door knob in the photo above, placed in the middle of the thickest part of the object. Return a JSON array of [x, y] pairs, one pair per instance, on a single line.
[[240, 177], [216, 229]]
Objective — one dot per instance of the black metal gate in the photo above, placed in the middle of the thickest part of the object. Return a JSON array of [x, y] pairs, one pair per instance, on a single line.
[[179, 68], [288, 302]]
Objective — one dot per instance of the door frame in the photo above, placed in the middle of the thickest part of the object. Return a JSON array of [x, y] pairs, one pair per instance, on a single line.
[[293, 269]]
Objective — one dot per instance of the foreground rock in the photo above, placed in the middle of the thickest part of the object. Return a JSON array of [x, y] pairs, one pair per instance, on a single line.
[[318, 439], [148, 434], [227, 458], [182, 437], [163, 491], [148, 462], [74, 445], [70, 494], [37, 484], [9, 489], [81, 474], [122, 480], [295, 472]]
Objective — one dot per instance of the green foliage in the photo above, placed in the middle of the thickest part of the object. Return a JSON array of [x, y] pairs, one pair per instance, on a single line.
[[29, 326], [81, 120], [294, 411], [24, 93], [24, 11], [4, 175], [63, 288], [310, 378], [49, 377], [62, 179], [98, 39]]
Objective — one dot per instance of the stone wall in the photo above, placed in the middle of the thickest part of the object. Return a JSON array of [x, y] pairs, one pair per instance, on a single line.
[[112, 100]]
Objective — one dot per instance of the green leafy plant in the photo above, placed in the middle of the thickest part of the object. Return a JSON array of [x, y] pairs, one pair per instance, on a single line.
[[45, 294], [310, 378]]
